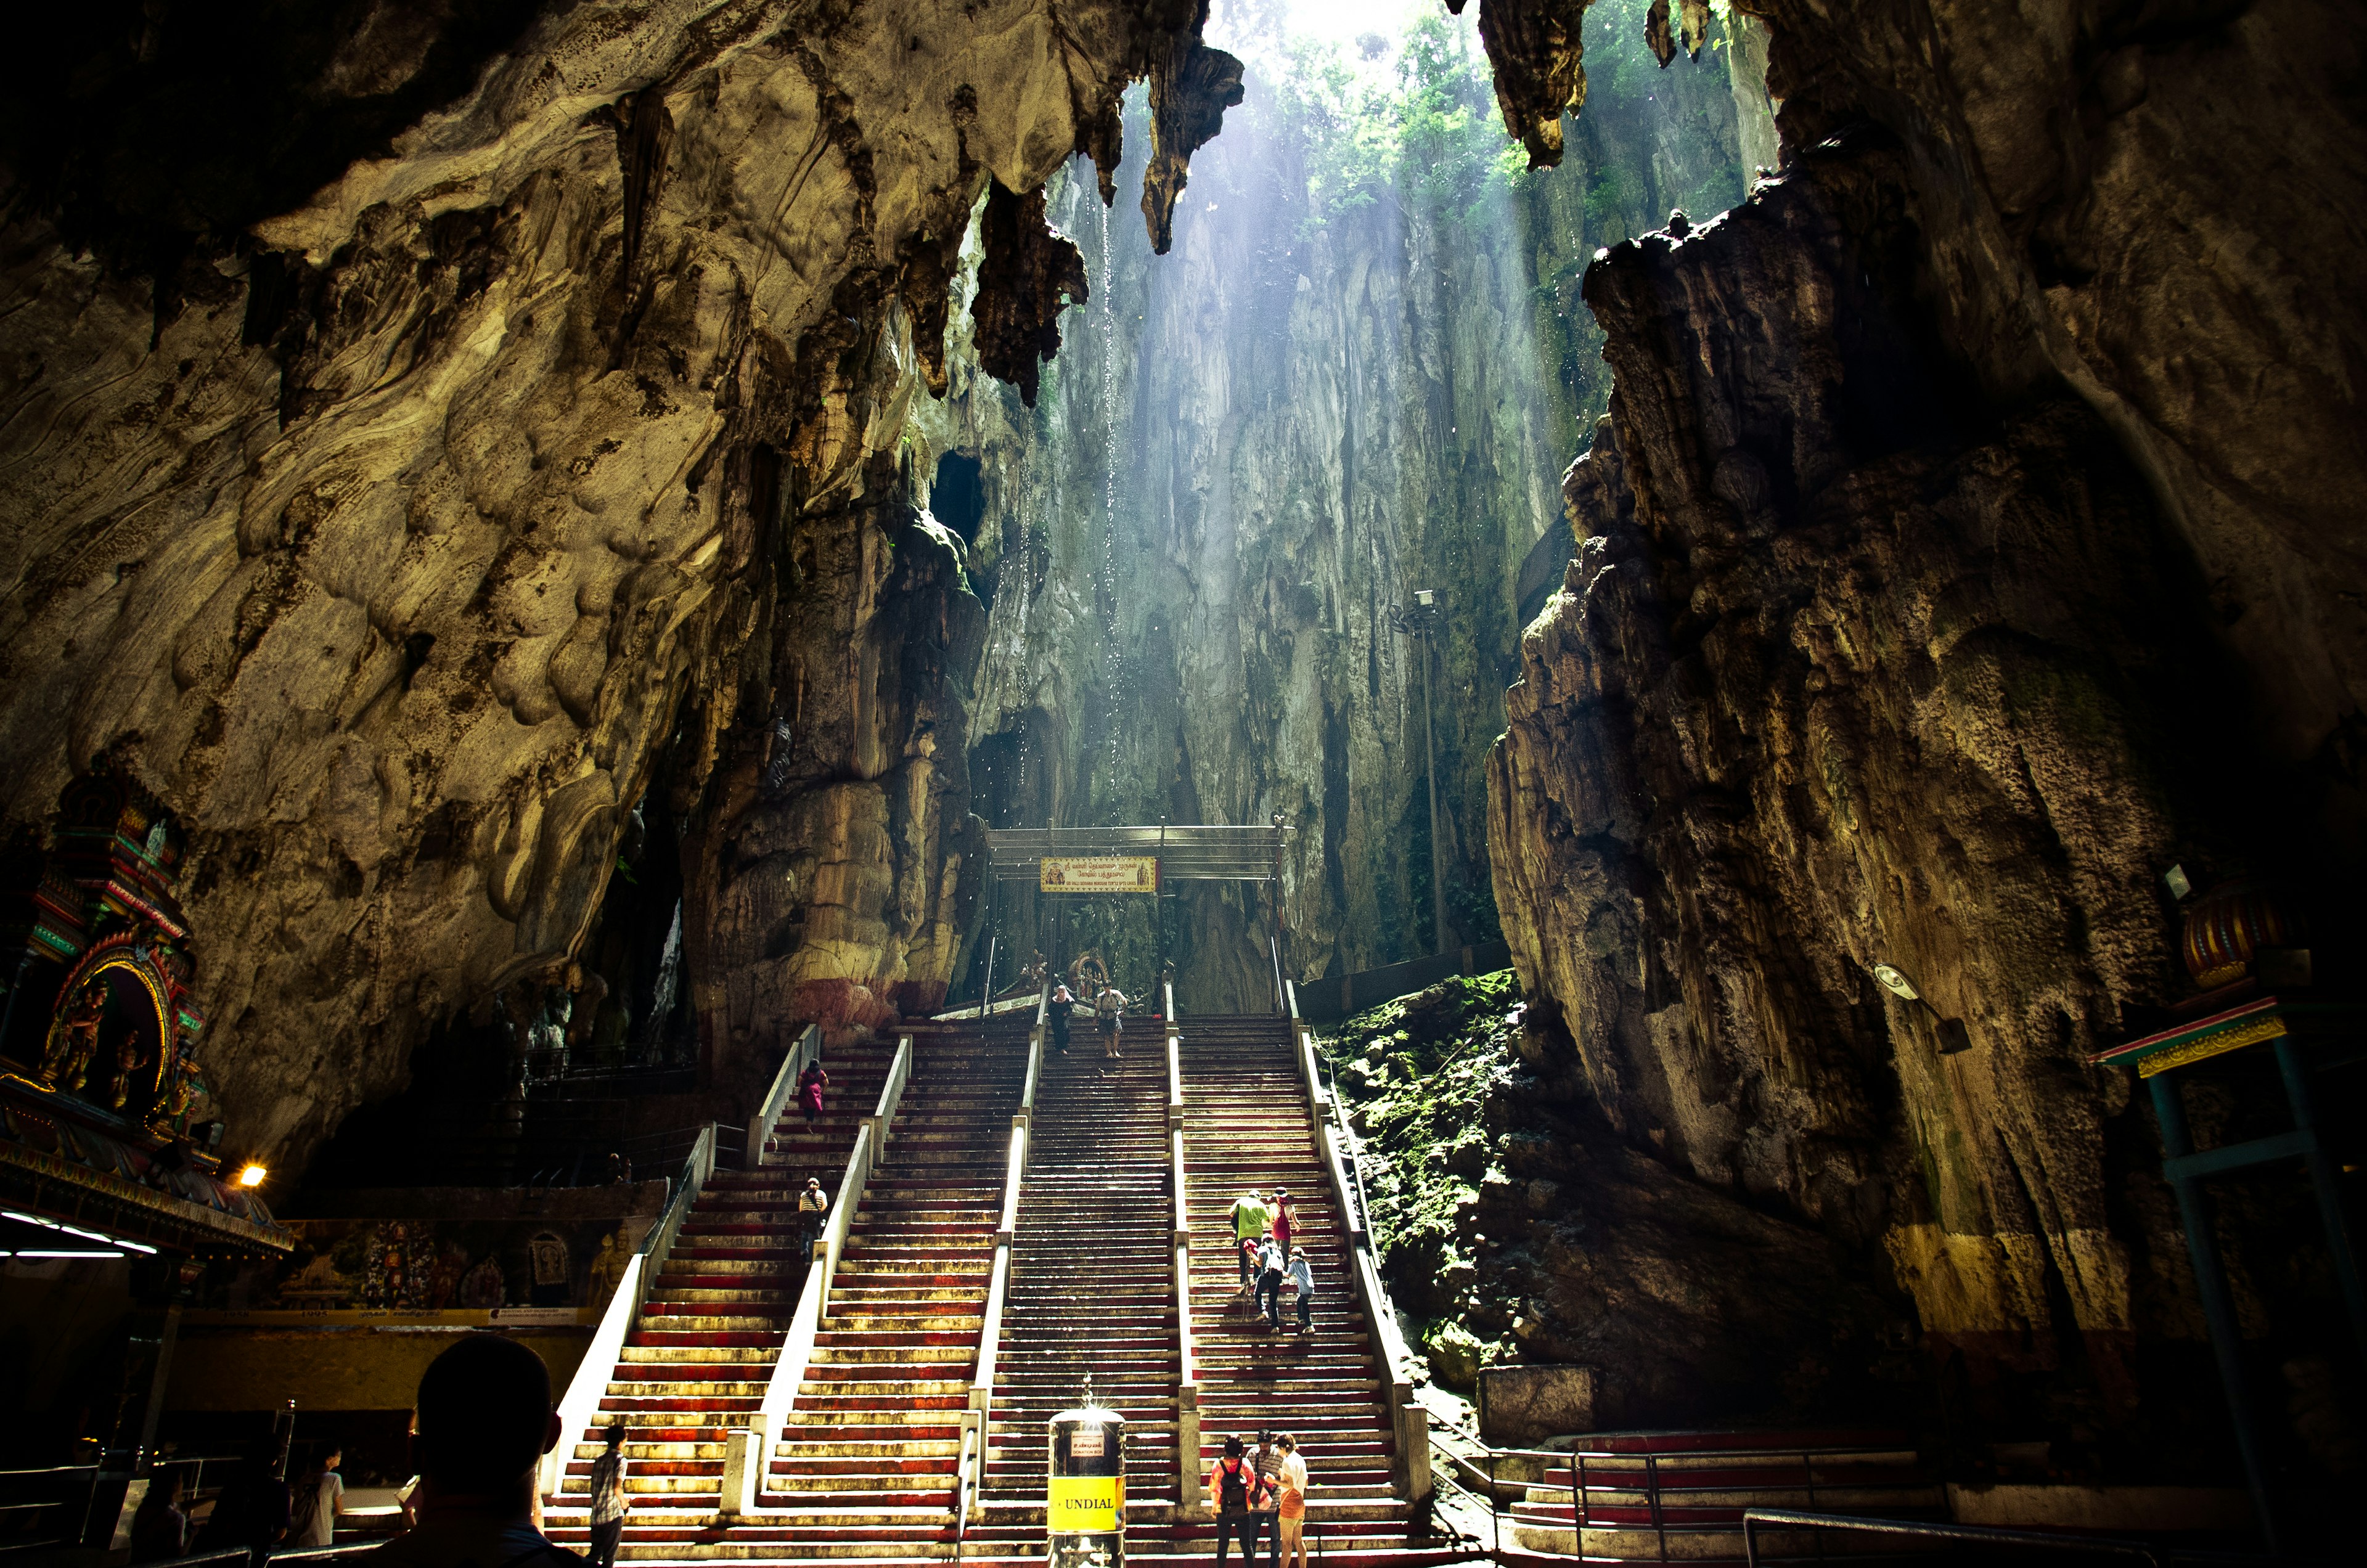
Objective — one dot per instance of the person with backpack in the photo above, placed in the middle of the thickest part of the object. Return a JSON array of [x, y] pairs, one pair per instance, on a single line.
[[1269, 1283], [1235, 1486], [1109, 1013], [319, 1498], [1250, 1220], [1302, 1277], [813, 1211]]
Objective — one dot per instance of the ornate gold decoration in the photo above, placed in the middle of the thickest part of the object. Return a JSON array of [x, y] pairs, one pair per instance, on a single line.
[[2214, 1045]]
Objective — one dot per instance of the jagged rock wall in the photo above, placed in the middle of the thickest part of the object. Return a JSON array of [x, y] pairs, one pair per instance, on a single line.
[[1944, 583], [1341, 386], [470, 424]]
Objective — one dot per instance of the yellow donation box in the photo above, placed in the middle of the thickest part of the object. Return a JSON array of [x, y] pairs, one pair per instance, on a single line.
[[1085, 1502]]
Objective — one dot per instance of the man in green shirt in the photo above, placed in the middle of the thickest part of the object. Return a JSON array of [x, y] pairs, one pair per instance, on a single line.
[[1250, 1218]]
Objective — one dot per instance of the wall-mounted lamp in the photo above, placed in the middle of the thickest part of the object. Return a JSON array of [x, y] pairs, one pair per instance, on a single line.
[[1954, 1037]]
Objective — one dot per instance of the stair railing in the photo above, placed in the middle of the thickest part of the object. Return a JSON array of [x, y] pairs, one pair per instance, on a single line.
[[986, 990], [1410, 1472], [807, 1049], [747, 1451], [1187, 1377], [969, 1499], [598, 1367]]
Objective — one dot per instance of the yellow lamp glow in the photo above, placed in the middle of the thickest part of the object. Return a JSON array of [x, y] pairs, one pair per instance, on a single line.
[[251, 1176]]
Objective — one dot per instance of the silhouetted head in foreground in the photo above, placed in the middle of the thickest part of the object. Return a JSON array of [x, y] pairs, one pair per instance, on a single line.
[[484, 1417]]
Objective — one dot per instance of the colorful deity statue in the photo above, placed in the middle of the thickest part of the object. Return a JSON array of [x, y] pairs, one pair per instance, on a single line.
[[74, 1038]]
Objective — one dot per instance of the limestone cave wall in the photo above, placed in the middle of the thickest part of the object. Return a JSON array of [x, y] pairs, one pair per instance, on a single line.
[[425, 430], [1966, 545]]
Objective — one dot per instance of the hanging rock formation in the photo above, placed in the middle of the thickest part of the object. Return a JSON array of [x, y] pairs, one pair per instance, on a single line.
[[424, 428]]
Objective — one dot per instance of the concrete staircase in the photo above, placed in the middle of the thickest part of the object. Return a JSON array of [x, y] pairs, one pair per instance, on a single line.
[[1247, 1125], [1092, 1283], [866, 1465], [864, 1473], [711, 1326]]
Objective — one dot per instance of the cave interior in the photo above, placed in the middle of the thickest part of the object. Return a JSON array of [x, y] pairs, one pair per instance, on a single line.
[[1778, 589]]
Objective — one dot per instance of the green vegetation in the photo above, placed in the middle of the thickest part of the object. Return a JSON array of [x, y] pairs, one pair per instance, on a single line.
[[1421, 1076]]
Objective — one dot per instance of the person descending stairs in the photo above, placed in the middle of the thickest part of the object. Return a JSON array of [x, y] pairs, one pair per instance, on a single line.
[[711, 1324], [1092, 1285], [865, 1465], [1247, 1125]]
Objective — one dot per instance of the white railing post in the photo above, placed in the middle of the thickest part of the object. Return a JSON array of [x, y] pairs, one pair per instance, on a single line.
[[777, 1097], [1187, 1380], [978, 1420], [598, 1367], [813, 1301], [892, 1095], [1410, 1472]]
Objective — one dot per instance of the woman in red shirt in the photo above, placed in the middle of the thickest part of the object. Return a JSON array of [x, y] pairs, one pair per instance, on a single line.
[[1286, 1219]]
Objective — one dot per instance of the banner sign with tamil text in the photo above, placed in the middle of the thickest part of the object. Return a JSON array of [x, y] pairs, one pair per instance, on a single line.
[[1098, 874]]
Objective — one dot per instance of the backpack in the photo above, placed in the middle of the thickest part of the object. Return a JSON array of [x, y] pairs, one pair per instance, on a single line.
[[1234, 1477]]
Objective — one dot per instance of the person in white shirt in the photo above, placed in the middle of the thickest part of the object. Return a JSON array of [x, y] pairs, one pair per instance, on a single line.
[[1291, 1515], [319, 1498]]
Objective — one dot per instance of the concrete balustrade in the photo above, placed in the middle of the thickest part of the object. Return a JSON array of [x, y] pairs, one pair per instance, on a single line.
[[969, 1478], [582, 1400], [1410, 1474], [1187, 1388], [807, 1050], [746, 1448]]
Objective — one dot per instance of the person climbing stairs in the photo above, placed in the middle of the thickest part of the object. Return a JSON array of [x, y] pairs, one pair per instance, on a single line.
[[1247, 1124], [865, 1463], [711, 1324]]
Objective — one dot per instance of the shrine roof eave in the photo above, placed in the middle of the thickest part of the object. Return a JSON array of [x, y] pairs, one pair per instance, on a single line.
[[58, 1188]]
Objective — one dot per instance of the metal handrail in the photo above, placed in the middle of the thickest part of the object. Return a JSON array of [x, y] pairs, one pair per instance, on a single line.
[[1274, 946], [1989, 1535], [777, 1097], [1651, 1485], [981, 1410], [1348, 1141], [986, 991], [1188, 1380], [279, 1555]]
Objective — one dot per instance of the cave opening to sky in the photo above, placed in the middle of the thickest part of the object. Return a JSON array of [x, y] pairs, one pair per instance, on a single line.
[[1358, 375]]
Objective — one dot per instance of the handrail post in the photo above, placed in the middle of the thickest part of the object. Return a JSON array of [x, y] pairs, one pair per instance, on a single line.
[[777, 1097], [981, 1414], [813, 1301], [1189, 1502], [598, 1367], [986, 990]]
